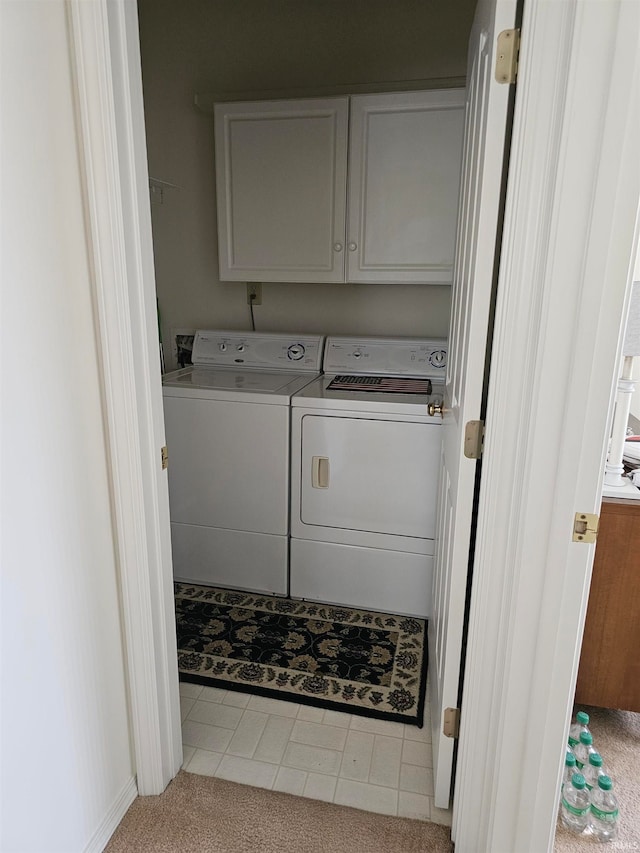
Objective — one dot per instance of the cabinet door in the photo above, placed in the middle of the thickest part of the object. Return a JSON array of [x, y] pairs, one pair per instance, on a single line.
[[281, 189], [609, 672], [404, 176]]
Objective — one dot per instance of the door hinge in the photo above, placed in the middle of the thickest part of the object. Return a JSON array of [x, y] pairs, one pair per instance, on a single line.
[[585, 527], [473, 439], [164, 455], [507, 56], [451, 722]]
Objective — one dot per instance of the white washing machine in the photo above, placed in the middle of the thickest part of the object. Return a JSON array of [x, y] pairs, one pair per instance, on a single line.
[[365, 466], [227, 422]]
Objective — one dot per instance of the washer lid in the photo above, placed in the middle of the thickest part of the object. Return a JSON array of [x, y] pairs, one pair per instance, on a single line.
[[244, 385]]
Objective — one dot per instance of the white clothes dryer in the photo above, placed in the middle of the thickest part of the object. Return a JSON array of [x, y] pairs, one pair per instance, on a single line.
[[227, 421], [365, 464]]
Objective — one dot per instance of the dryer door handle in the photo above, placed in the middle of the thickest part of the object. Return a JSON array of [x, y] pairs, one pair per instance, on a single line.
[[320, 472]]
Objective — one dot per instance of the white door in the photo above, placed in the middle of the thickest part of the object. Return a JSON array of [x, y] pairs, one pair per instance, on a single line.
[[404, 178], [486, 120], [281, 172]]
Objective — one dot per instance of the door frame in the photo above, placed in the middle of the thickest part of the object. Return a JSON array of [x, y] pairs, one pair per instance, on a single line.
[[569, 240], [562, 342], [105, 64]]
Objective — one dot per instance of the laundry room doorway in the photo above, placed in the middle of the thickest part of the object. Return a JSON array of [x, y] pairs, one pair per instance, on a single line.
[[592, 47]]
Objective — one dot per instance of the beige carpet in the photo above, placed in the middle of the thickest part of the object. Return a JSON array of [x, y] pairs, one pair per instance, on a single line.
[[200, 813], [616, 735]]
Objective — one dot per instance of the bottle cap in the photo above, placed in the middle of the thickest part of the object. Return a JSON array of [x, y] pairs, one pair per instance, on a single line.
[[596, 759], [582, 718], [577, 780], [605, 783], [570, 759], [586, 737]]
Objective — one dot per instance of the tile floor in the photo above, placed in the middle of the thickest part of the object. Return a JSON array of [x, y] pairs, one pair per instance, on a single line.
[[375, 765]]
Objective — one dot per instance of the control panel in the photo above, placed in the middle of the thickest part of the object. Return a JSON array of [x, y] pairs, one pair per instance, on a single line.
[[420, 357], [271, 351]]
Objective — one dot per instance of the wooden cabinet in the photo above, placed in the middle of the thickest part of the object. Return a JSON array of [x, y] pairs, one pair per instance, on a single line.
[[361, 189], [609, 673]]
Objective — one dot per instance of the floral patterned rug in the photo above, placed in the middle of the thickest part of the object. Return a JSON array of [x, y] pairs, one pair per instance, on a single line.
[[360, 661]]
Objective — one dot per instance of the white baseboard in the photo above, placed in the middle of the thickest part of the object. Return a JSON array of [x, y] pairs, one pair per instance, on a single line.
[[113, 817]]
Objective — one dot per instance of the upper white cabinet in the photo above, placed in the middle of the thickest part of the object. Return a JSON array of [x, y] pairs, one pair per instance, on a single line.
[[404, 176], [281, 169], [288, 210]]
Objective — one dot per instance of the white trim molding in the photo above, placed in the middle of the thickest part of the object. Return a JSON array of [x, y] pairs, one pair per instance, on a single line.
[[112, 819], [119, 235], [206, 101], [569, 238], [134, 183]]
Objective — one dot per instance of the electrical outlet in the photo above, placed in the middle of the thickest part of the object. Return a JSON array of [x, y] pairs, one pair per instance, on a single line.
[[254, 293]]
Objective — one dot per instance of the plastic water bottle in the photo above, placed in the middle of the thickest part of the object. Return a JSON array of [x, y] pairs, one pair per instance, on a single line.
[[593, 770], [583, 749], [569, 768], [604, 811], [581, 724], [576, 804]]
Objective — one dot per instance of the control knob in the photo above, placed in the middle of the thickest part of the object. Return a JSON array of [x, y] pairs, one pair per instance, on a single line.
[[438, 358], [295, 352]]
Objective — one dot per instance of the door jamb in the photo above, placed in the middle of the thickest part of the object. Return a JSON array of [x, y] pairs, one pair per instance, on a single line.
[[105, 58]]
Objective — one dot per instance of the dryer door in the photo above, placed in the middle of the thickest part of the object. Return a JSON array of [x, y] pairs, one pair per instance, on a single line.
[[377, 476]]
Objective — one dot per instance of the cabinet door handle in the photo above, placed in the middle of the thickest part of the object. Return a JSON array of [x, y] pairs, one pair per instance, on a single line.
[[337, 247], [320, 472], [353, 247]]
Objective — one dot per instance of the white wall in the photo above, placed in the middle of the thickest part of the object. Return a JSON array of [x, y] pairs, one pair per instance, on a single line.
[[66, 757], [248, 45]]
